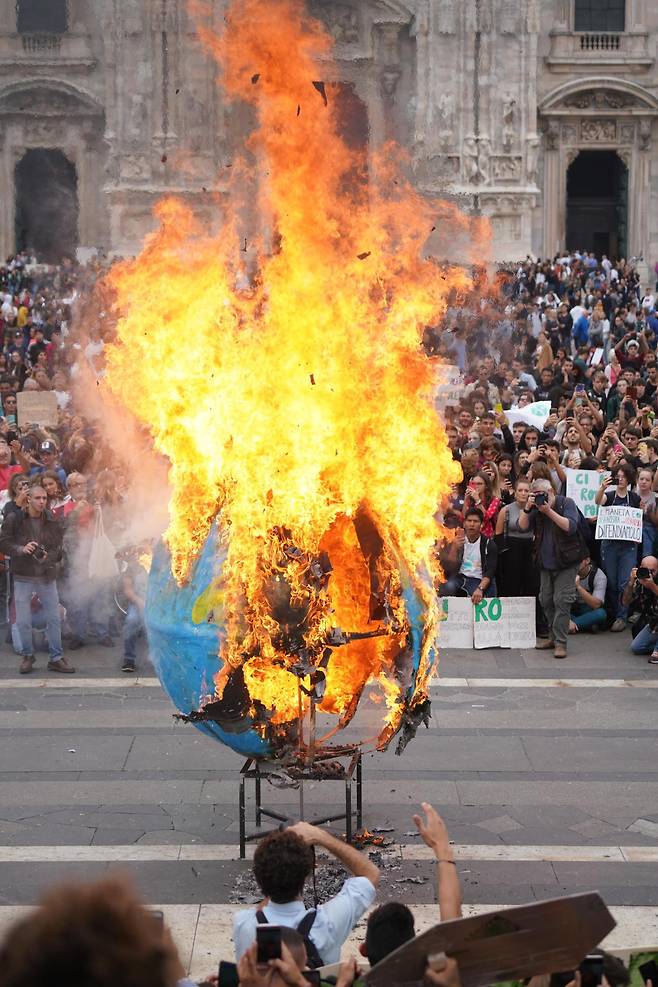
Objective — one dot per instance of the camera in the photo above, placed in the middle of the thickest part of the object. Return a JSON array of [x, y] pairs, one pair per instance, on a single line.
[[39, 553], [644, 573], [541, 499]]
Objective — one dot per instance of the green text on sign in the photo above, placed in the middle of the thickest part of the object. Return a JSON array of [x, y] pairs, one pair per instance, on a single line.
[[488, 610]]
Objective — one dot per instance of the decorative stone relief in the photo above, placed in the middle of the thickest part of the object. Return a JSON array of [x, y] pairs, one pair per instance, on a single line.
[[626, 132], [484, 157], [505, 168], [42, 130], [389, 80], [341, 19], [134, 168], [133, 224], [569, 132], [644, 134], [506, 227], [440, 167], [592, 131], [599, 99]]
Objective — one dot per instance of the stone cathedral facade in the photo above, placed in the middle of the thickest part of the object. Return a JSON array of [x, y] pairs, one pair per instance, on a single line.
[[539, 114]]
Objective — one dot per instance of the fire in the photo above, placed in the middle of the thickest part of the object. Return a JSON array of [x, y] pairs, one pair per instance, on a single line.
[[297, 410]]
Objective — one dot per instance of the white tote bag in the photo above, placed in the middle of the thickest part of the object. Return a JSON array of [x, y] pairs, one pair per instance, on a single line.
[[103, 565]]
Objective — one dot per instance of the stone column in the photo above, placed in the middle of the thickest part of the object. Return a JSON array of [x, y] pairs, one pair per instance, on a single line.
[[553, 181], [7, 195], [638, 185]]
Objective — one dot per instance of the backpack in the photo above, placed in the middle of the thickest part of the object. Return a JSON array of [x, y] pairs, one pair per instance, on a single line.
[[313, 958], [569, 548]]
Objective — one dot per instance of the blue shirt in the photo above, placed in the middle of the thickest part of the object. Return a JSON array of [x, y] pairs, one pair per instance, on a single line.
[[333, 923]]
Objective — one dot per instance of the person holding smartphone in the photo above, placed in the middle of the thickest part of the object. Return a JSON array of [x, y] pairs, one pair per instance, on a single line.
[[617, 556], [559, 549], [641, 597]]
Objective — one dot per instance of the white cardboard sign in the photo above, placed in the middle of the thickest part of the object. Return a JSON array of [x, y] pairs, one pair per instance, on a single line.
[[451, 386], [619, 523], [497, 622], [582, 486], [456, 627]]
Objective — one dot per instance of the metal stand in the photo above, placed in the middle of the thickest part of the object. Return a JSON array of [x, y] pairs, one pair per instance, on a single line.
[[325, 767]]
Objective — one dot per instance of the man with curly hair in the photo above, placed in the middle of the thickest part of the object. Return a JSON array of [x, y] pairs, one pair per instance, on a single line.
[[282, 863]]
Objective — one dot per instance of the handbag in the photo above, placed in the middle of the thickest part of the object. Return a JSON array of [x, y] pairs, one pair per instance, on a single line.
[[103, 565]]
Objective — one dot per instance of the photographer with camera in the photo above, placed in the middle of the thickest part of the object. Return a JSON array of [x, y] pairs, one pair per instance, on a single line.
[[32, 538], [559, 549], [641, 596]]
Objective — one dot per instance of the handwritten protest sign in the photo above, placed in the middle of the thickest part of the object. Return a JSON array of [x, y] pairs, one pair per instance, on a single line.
[[582, 486], [451, 387], [533, 414], [619, 523], [37, 408], [456, 627], [498, 622]]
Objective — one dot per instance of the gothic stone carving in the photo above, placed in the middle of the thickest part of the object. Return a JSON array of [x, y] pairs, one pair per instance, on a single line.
[[135, 168], [644, 134], [569, 132], [532, 159], [341, 19], [440, 167], [599, 99], [626, 132], [42, 130], [445, 109], [552, 135], [592, 131], [505, 168], [509, 120]]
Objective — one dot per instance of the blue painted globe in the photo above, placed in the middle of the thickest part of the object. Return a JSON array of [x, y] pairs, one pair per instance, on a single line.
[[185, 640]]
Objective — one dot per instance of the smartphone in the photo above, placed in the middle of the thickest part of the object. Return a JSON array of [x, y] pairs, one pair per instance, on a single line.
[[632, 392], [591, 971], [228, 975], [268, 941], [617, 448], [579, 388], [157, 916], [648, 971]]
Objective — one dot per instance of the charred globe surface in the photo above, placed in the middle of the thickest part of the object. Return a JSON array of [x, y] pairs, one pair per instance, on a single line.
[[345, 624]]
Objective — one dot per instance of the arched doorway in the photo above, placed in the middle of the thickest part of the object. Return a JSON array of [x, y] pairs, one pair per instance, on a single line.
[[597, 203], [46, 187]]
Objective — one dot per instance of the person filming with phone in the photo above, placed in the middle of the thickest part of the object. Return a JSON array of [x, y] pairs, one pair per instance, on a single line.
[[641, 596], [559, 549]]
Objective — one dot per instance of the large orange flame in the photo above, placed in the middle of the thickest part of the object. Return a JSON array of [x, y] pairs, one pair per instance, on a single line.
[[290, 407]]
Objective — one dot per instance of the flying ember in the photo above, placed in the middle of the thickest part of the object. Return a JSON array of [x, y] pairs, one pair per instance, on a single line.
[[295, 406]]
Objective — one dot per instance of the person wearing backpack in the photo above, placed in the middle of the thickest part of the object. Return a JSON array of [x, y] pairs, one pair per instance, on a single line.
[[282, 863], [559, 549], [588, 612]]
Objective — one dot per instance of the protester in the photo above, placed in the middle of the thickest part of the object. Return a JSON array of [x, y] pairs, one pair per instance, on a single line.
[[588, 611], [641, 596], [559, 551], [470, 561], [99, 935], [32, 538], [617, 556], [283, 861]]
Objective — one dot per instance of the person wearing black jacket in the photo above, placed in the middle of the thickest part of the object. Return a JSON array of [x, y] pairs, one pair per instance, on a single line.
[[32, 538], [470, 561]]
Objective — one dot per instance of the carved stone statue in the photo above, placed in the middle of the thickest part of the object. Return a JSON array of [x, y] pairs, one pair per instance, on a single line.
[[389, 80], [445, 108], [532, 159], [470, 159], [644, 134], [509, 120], [484, 156]]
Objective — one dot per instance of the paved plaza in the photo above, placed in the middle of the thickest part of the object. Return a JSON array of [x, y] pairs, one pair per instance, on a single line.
[[545, 772]]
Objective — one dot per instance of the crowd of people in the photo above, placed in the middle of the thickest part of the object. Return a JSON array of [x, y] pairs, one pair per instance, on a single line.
[[580, 334], [101, 934], [62, 491]]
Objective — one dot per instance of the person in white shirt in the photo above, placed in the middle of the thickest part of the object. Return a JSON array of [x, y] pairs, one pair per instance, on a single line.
[[282, 863]]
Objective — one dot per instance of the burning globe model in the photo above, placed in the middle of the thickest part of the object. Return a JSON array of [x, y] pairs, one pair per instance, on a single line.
[[288, 390]]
